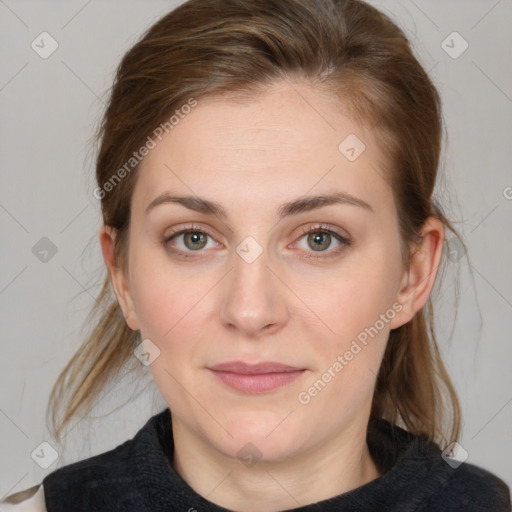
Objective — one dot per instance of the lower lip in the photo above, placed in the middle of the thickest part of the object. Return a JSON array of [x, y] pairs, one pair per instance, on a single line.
[[257, 383]]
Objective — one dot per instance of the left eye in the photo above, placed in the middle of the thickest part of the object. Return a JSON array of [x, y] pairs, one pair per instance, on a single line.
[[321, 239]]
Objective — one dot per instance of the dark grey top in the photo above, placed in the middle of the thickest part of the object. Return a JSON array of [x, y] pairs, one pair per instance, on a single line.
[[138, 476]]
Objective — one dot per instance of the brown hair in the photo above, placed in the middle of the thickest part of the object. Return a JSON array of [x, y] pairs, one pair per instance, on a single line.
[[213, 47]]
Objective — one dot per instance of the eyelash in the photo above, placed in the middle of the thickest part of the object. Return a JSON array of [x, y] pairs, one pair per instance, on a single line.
[[320, 228]]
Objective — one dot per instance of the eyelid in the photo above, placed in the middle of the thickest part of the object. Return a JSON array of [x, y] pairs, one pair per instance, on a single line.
[[183, 229], [320, 227]]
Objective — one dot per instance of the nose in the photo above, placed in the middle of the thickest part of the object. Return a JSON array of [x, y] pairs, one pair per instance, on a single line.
[[253, 298]]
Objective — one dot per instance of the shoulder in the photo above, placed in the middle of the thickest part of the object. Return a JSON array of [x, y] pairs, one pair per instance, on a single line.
[[104, 466], [475, 488], [426, 478], [109, 480], [89, 483], [78, 473], [28, 500], [33, 498]]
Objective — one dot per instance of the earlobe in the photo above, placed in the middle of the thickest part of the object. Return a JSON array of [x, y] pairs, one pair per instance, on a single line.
[[418, 280], [117, 276]]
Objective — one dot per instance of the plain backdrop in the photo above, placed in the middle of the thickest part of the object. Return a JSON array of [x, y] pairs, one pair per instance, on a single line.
[[49, 109]]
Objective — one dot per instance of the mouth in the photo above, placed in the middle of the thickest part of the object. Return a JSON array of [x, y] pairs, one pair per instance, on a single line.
[[258, 378]]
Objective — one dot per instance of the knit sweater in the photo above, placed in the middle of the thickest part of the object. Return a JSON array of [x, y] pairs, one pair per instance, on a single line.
[[138, 476]]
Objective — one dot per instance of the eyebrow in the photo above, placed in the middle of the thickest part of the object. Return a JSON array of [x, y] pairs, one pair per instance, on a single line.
[[296, 207]]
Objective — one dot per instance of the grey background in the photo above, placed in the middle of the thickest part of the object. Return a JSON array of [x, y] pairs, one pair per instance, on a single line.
[[49, 109]]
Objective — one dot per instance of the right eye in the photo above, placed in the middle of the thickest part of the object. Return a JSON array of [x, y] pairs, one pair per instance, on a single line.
[[188, 240]]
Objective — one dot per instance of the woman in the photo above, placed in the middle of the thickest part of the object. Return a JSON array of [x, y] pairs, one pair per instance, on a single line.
[[265, 172]]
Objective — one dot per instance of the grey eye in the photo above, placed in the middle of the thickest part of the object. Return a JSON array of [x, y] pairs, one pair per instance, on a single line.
[[319, 241]]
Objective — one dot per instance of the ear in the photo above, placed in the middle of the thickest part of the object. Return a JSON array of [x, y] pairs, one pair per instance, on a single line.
[[119, 280], [418, 280]]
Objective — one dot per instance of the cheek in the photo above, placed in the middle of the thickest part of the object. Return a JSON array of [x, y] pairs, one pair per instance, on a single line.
[[354, 296], [346, 363], [357, 305], [172, 315], [164, 302]]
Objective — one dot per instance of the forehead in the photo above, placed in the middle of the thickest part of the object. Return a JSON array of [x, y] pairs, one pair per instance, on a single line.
[[287, 141]]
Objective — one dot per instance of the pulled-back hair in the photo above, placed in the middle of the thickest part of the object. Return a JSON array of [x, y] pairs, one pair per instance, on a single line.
[[243, 47]]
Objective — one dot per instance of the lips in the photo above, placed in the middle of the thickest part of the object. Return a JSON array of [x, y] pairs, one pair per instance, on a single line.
[[252, 369], [256, 378]]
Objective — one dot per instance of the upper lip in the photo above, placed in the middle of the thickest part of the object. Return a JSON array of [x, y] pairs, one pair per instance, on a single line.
[[254, 369]]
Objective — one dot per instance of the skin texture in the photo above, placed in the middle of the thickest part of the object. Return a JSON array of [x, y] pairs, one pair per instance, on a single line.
[[288, 305]]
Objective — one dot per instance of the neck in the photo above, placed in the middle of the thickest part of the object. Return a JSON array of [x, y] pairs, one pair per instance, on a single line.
[[311, 476]]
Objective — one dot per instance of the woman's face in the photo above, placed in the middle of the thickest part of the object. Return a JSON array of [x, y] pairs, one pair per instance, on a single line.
[[249, 286]]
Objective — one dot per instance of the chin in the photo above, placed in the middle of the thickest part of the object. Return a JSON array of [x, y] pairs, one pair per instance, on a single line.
[[263, 435]]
